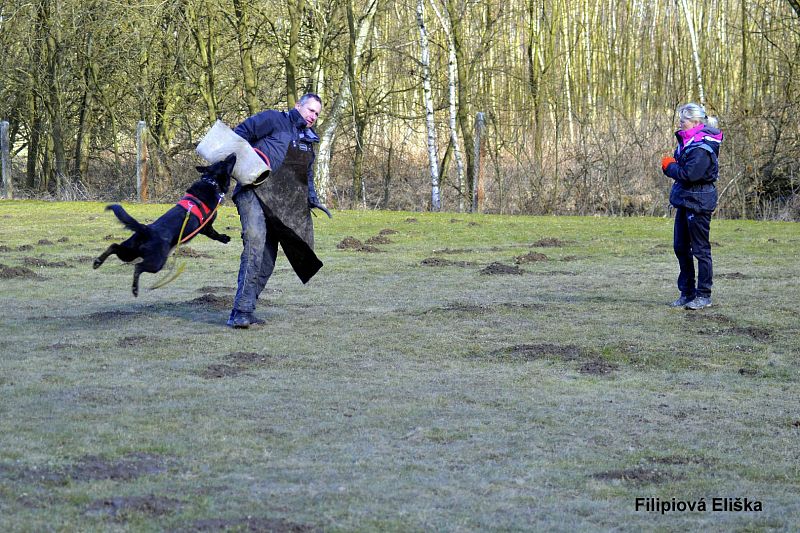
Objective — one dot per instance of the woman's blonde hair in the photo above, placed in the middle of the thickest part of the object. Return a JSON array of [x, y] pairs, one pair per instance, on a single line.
[[692, 111]]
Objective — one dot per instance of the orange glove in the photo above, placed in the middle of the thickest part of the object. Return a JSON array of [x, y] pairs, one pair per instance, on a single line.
[[666, 161]]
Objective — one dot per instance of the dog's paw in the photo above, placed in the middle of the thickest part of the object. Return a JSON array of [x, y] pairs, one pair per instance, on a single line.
[[97, 263], [224, 239]]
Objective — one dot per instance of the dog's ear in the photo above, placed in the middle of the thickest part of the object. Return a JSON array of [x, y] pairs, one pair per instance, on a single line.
[[230, 162]]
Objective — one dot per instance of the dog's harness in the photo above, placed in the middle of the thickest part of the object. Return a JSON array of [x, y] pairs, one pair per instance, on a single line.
[[195, 207], [200, 210]]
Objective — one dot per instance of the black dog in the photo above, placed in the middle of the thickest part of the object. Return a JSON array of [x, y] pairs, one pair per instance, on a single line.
[[150, 245]]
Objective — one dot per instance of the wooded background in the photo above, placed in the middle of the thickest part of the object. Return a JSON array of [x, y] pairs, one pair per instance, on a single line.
[[579, 96]]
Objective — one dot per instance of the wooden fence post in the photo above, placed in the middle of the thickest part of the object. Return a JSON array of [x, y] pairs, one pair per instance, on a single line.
[[5, 163], [141, 161], [477, 186]]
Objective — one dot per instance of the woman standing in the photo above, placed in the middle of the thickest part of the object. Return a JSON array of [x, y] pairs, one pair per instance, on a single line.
[[695, 170]]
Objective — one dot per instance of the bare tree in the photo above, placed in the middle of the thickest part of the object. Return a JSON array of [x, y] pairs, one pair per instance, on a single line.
[[430, 122]]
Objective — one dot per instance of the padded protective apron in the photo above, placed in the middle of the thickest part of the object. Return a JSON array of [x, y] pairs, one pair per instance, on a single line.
[[284, 197]]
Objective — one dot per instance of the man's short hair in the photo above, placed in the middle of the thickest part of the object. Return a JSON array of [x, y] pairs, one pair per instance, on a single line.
[[309, 96]]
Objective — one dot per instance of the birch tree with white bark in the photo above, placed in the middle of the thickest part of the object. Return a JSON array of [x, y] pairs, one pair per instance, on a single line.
[[430, 121]]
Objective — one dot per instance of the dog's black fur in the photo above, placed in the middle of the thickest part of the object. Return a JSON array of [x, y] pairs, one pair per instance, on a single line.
[[150, 245]]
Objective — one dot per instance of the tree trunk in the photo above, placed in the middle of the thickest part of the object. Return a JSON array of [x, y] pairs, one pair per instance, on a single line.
[[80, 158], [290, 62], [430, 124], [355, 50], [54, 104], [203, 32], [795, 5], [463, 112], [452, 80], [249, 81], [695, 52]]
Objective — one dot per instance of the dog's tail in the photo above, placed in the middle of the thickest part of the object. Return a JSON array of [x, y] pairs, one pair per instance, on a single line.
[[129, 222]]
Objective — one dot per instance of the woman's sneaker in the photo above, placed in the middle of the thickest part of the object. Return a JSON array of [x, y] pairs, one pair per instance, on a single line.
[[699, 303], [681, 302]]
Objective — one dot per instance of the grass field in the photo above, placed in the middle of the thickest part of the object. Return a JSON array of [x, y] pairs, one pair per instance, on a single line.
[[456, 373]]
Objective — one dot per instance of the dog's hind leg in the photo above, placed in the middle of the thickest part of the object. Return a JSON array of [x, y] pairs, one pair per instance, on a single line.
[[137, 271], [111, 250]]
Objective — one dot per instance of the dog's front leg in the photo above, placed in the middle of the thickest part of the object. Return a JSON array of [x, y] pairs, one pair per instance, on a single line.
[[211, 233]]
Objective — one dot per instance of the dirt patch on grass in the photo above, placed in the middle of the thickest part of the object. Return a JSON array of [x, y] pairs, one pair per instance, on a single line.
[[61, 346], [249, 524], [756, 332], [388, 231], [477, 309], [185, 251], [351, 243], [45, 242], [589, 363], [729, 326], [733, 275], [137, 340], [555, 273], [748, 371], [657, 250], [83, 259], [454, 251], [111, 237], [532, 352], [109, 316], [438, 262], [248, 359], [237, 363], [411, 221], [43, 263], [88, 468], [130, 467], [4, 248], [63, 239], [531, 257], [213, 301], [119, 507], [25, 248], [220, 370], [457, 307], [378, 239], [680, 460], [701, 318], [214, 288], [497, 268], [637, 476], [597, 367], [548, 242], [8, 272]]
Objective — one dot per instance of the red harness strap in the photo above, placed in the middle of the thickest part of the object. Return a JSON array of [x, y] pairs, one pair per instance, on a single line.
[[195, 207]]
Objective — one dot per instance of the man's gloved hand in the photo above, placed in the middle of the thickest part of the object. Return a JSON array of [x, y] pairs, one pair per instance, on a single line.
[[665, 162], [314, 203]]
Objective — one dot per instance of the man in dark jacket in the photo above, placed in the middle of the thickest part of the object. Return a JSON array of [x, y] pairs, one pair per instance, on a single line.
[[276, 208], [695, 170]]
